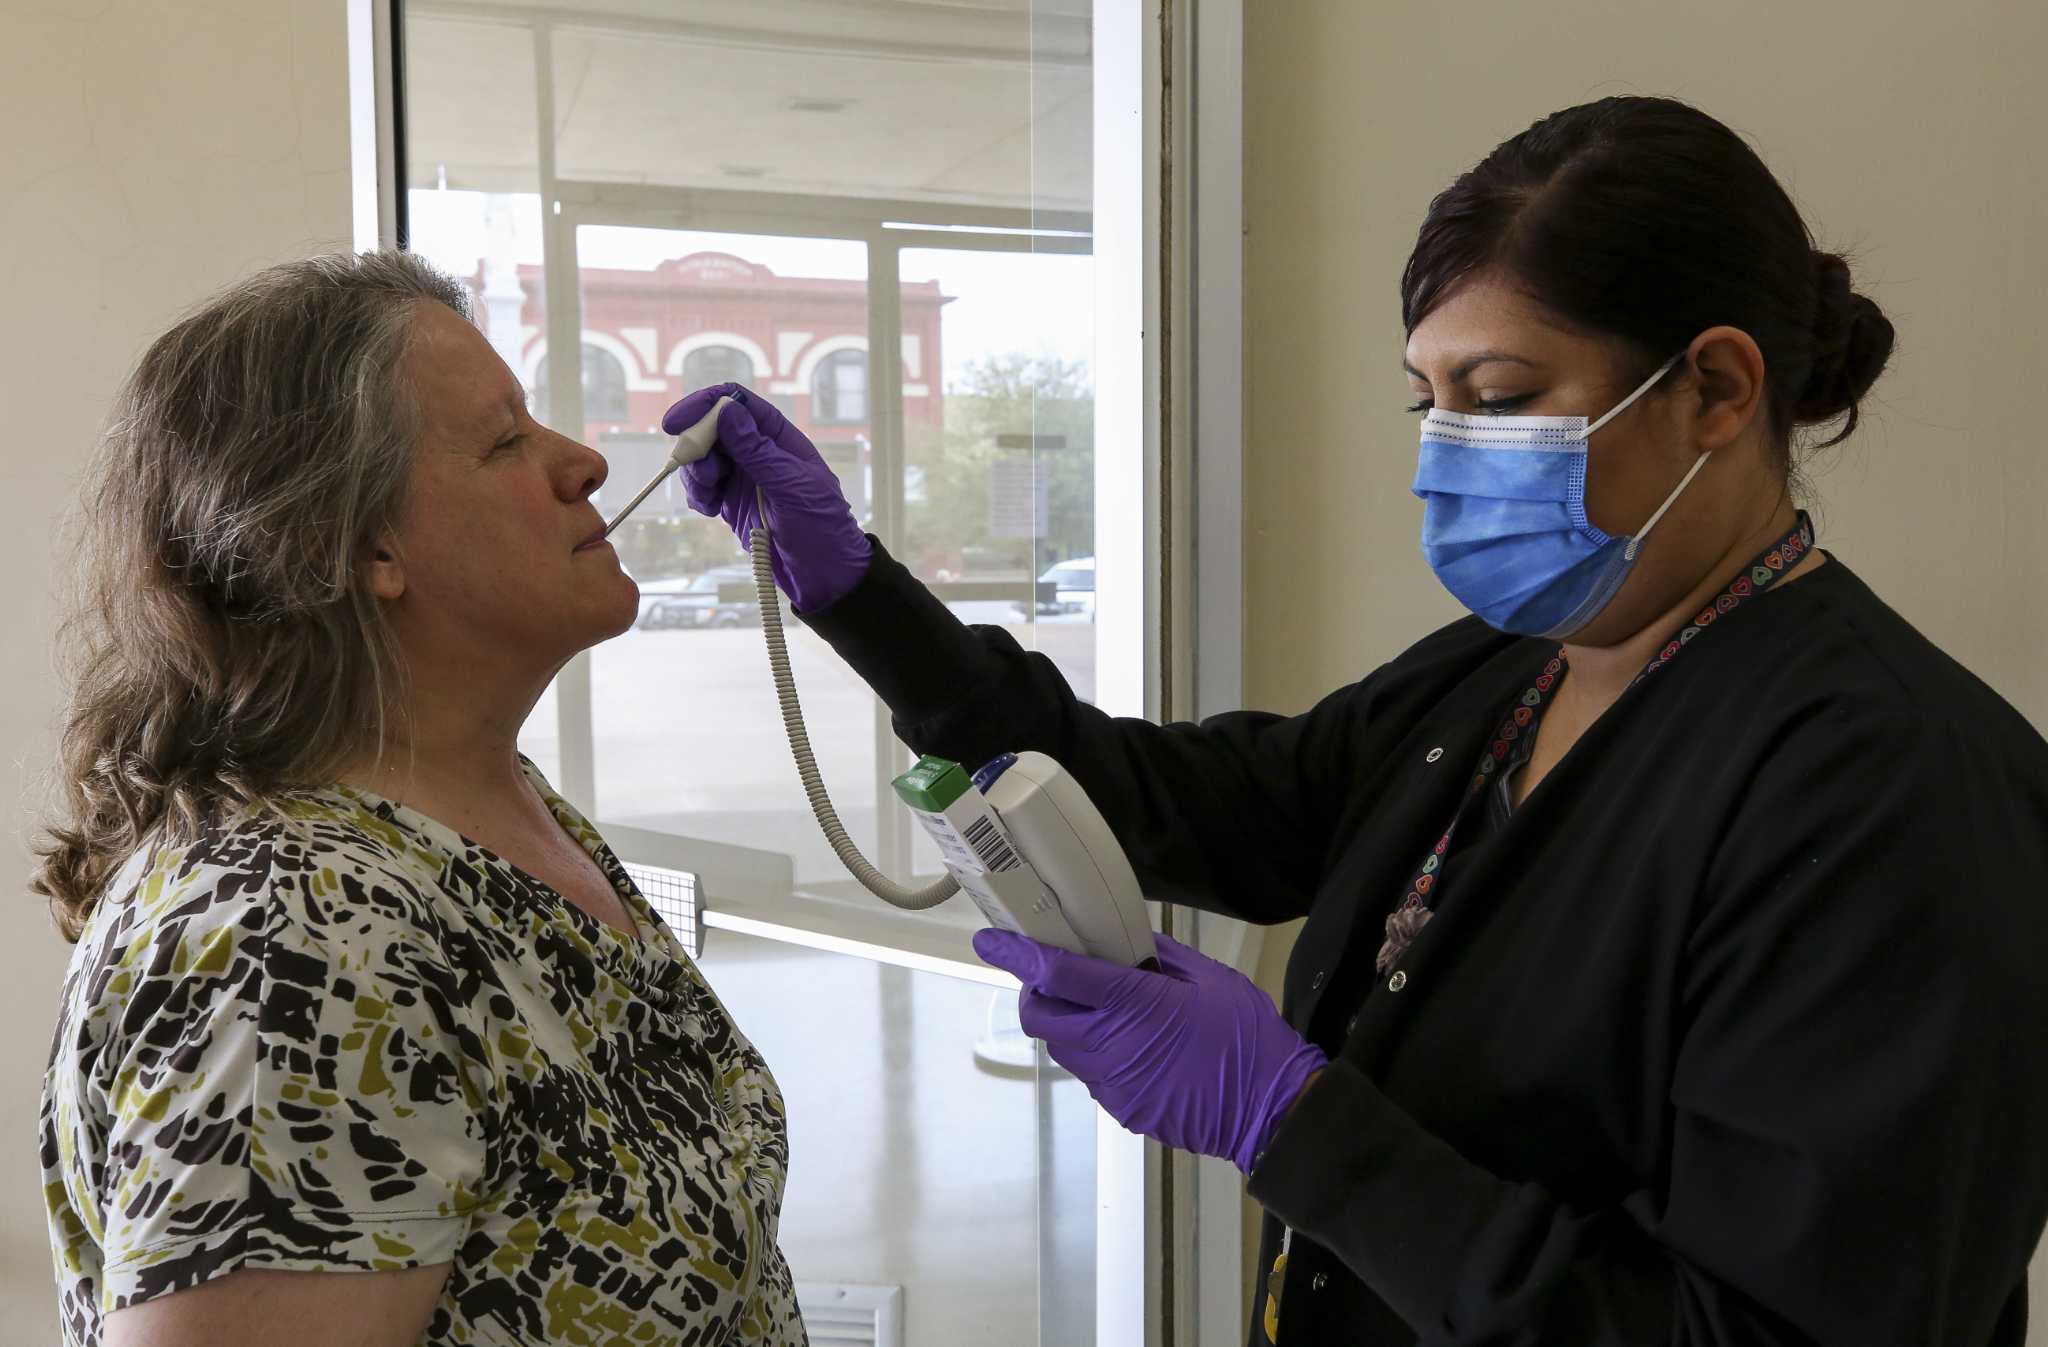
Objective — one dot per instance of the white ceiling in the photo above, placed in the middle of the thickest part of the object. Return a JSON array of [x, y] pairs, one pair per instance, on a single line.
[[982, 102]]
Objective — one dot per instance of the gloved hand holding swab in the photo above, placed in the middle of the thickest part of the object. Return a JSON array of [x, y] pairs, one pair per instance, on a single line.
[[693, 443]]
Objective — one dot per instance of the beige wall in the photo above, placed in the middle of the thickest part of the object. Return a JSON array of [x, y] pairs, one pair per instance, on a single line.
[[150, 153], [1907, 132]]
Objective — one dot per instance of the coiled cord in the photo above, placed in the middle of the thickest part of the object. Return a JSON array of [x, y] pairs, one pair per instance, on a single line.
[[873, 880]]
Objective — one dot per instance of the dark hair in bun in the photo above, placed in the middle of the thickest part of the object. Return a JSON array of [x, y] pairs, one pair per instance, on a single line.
[[1648, 220], [1852, 341]]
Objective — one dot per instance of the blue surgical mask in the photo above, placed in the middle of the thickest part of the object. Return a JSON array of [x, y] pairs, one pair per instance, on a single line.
[[1505, 524]]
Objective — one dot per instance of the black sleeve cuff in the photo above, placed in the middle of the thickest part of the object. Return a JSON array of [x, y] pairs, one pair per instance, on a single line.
[[1355, 1173], [903, 642]]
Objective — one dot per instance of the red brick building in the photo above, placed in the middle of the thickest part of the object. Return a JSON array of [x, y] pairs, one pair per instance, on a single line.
[[651, 336]]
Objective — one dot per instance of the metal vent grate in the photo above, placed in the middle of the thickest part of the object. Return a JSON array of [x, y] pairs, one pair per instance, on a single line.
[[843, 1314], [677, 898]]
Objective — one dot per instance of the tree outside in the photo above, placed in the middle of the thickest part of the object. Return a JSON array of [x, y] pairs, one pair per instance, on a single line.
[[1019, 411]]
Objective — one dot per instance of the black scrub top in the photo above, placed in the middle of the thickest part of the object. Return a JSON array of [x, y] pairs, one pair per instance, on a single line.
[[1736, 1031]]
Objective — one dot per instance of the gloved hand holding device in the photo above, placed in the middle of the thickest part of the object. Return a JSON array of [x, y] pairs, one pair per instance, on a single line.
[[820, 552], [1194, 1055]]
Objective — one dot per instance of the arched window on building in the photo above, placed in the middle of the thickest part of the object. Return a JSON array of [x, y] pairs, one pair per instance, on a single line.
[[709, 365], [839, 389], [604, 386]]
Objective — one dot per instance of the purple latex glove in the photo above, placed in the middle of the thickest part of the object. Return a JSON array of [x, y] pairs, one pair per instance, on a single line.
[[1194, 1055], [819, 551]]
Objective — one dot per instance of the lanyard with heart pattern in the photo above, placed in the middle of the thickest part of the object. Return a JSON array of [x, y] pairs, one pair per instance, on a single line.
[[1415, 909]]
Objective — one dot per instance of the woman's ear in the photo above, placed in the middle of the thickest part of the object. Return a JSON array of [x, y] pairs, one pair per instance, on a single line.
[[1729, 369], [382, 572]]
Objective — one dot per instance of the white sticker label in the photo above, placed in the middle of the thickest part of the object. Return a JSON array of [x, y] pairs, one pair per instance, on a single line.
[[979, 855]]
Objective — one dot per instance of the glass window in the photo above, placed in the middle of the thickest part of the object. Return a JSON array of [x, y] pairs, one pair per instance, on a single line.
[[880, 221], [721, 774], [604, 386], [999, 418], [839, 389], [709, 365]]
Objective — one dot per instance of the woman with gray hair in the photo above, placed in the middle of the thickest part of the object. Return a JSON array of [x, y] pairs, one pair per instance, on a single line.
[[354, 989]]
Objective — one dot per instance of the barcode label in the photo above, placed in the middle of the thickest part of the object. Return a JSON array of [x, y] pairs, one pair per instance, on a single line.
[[991, 846]]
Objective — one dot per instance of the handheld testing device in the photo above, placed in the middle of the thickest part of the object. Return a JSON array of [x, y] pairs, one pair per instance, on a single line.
[[1019, 836]]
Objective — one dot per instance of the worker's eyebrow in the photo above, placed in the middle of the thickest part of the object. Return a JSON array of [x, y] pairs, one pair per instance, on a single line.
[[1471, 363]]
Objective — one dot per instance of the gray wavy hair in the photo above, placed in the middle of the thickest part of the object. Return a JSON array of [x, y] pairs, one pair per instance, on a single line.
[[220, 648]]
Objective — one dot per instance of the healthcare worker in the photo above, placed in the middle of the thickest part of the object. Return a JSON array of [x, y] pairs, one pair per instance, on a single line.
[[1675, 924]]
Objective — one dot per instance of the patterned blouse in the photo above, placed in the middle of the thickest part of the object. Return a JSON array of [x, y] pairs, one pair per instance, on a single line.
[[351, 1039]]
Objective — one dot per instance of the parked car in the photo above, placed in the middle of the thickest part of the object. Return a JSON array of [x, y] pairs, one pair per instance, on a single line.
[[1073, 583], [721, 597], [654, 591]]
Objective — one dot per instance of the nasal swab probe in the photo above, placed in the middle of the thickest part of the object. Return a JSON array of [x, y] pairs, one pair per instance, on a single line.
[[692, 444]]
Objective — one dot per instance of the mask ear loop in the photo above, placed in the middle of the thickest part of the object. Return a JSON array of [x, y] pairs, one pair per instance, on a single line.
[[1642, 388], [1629, 552]]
